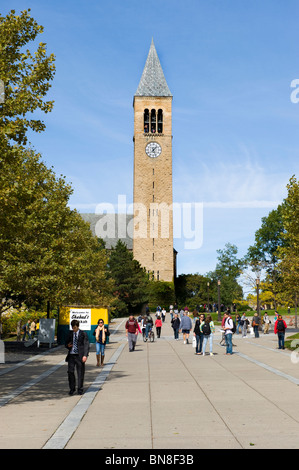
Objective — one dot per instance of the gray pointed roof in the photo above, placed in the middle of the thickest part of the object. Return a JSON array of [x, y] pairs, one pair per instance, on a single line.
[[153, 82]]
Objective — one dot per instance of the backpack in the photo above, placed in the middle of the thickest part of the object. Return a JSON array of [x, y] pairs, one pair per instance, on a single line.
[[280, 325], [206, 329], [233, 329]]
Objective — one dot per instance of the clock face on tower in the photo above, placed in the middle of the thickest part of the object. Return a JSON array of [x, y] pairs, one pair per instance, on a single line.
[[153, 150]]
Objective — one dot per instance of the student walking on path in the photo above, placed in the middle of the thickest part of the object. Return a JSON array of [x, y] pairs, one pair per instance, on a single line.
[[207, 328], [199, 334], [158, 325], [244, 324], [256, 324], [279, 329], [132, 332], [77, 344], [228, 328], [101, 334], [175, 323], [186, 326], [267, 322]]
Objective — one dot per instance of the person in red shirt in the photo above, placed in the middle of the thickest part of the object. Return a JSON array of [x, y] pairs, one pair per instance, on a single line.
[[132, 332], [279, 329], [158, 325]]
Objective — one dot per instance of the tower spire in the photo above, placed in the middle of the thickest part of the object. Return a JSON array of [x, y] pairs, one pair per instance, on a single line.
[[153, 82]]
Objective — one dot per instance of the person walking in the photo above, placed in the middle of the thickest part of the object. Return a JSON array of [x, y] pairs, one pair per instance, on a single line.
[[228, 328], [132, 332], [32, 329], [256, 324], [199, 334], [148, 322], [267, 322], [238, 323], [77, 343], [186, 326], [101, 334], [207, 328], [158, 325], [244, 325], [279, 329], [175, 323]]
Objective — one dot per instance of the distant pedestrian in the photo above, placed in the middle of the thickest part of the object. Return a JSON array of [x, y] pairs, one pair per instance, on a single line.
[[267, 322], [32, 329], [26, 328], [78, 345], [238, 323], [207, 328], [228, 328], [279, 329], [244, 324], [256, 324], [175, 323], [101, 334], [163, 314], [186, 326], [199, 334], [158, 325], [132, 332]]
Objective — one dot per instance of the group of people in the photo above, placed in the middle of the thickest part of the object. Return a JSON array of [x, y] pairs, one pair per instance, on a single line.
[[30, 328], [77, 341]]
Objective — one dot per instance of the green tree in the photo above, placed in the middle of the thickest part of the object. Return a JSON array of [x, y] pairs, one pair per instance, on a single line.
[[130, 280], [160, 293], [289, 252], [26, 76], [192, 290], [228, 270]]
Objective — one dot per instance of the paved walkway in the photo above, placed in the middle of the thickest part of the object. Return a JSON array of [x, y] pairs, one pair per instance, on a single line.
[[161, 396]]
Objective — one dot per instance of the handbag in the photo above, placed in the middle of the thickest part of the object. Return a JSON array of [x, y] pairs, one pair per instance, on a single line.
[[194, 342]]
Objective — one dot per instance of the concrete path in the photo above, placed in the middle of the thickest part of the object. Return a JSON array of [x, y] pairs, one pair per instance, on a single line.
[[161, 396]]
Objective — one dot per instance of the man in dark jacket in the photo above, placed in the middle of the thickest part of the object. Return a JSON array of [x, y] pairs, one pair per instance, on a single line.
[[78, 345], [175, 323]]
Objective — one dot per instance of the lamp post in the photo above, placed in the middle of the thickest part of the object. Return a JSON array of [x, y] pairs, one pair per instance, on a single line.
[[219, 307], [208, 285], [258, 296]]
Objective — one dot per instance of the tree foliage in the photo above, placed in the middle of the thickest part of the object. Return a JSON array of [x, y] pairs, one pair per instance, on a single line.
[[26, 76], [130, 280]]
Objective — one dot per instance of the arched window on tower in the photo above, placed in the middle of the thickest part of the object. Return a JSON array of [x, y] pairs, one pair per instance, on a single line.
[[146, 121], [153, 121], [160, 121]]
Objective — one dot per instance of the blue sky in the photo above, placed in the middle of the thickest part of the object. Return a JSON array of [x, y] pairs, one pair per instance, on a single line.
[[229, 65]]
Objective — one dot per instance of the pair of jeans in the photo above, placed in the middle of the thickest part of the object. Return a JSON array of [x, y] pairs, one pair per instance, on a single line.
[[176, 333], [205, 340], [100, 349], [256, 331], [229, 343], [147, 328], [280, 340], [199, 340]]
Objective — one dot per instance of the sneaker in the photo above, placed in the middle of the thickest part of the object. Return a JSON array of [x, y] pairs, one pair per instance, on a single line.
[[211, 354], [184, 342]]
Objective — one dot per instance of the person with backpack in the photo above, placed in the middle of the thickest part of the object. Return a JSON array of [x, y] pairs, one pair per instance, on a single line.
[[132, 332], [207, 328], [279, 329], [256, 324], [228, 327]]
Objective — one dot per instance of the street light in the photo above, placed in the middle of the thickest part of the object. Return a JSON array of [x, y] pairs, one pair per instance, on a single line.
[[258, 296], [219, 308]]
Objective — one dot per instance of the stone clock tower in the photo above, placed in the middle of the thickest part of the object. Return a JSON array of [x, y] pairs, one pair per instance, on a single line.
[[153, 215]]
